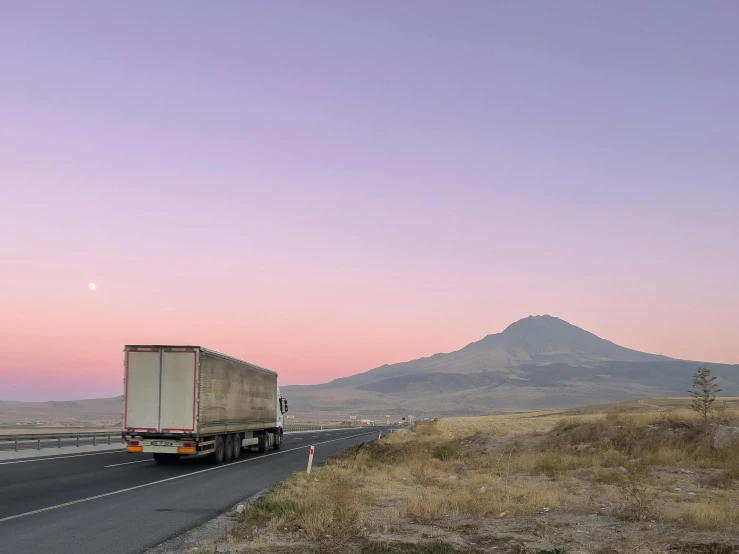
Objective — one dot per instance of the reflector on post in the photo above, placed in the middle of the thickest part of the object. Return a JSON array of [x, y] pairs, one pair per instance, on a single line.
[[310, 458]]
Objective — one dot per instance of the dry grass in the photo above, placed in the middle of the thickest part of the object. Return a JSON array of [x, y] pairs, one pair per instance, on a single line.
[[660, 439], [326, 502], [508, 467], [502, 425], [485, 497], [543, 421], [647, 405], [726, 479], [719, 513]]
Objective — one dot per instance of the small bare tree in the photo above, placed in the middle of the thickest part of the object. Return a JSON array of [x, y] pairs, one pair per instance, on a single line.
[[704, 392]]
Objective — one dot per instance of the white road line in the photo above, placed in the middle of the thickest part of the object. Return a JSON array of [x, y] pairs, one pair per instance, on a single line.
[[126, 463], [176, 477], [46, 459], [297, 439]]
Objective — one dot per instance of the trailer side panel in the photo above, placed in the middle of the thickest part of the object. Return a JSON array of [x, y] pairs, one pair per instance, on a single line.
[[235, 394]]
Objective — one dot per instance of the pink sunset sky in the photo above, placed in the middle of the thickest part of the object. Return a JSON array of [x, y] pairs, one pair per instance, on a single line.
[[325, 187]]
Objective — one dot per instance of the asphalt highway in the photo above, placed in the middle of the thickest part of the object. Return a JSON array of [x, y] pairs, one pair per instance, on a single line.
[[121, 503]]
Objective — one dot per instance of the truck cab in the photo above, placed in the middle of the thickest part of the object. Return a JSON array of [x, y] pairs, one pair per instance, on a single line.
[[281, 411]]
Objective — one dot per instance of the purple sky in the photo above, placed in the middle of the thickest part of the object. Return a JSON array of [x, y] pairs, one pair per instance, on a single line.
[[325, 187]]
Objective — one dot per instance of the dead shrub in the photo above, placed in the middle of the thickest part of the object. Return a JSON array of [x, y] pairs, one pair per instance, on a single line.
[[637, 493]]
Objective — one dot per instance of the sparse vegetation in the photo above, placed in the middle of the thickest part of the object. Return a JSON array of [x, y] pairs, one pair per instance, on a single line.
[[638, 491], [400, 547], [703, 392], [444, 452], [549, 467], [446, 491], [323, 503], [722, 479]]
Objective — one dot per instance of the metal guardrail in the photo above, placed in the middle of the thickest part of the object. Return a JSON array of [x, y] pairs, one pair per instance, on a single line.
[[59, 437], [109, 437], [294, 430], [298, 428]]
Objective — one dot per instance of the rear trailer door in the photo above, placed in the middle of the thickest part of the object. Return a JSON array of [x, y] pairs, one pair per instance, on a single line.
[[179, 379], [161, 389], [141, 410]]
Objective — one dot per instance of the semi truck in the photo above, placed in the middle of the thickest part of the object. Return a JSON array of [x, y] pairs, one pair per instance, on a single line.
[[191, 401]]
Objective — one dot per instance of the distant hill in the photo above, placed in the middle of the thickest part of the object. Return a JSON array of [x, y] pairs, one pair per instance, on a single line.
[[537, 362], [69, 413]]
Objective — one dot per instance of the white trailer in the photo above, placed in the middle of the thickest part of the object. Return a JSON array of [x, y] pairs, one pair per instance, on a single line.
[[190, 401]]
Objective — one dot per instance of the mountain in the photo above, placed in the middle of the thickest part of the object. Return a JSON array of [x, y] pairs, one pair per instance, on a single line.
[[537, 362], [535, 340]]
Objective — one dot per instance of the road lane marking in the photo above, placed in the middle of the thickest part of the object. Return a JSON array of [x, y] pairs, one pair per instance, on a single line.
[[176, 477], [126, 463], [46, 459]]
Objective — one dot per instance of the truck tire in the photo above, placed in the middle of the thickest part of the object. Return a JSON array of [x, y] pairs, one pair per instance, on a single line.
[[237, 446], [228, 453], [278, 441], [263, 443], [219, 451]]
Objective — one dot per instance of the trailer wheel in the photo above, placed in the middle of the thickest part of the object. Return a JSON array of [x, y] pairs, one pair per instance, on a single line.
[[237, 446], [229, 448], [219, 451], [278, 441]]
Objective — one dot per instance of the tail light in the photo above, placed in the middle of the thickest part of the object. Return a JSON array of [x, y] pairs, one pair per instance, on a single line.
[[133, 443], [189, 445]]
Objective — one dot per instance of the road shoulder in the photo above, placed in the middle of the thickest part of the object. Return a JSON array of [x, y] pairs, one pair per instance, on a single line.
[[207, 534]]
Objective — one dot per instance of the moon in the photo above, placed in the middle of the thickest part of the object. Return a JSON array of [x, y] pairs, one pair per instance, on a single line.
[[91, 286]]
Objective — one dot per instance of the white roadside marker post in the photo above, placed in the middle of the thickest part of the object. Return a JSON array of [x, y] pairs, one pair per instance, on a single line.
[[378, 438], [310, 458]]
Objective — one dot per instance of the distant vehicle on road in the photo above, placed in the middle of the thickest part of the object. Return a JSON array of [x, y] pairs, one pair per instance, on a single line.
[[190, 401]]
